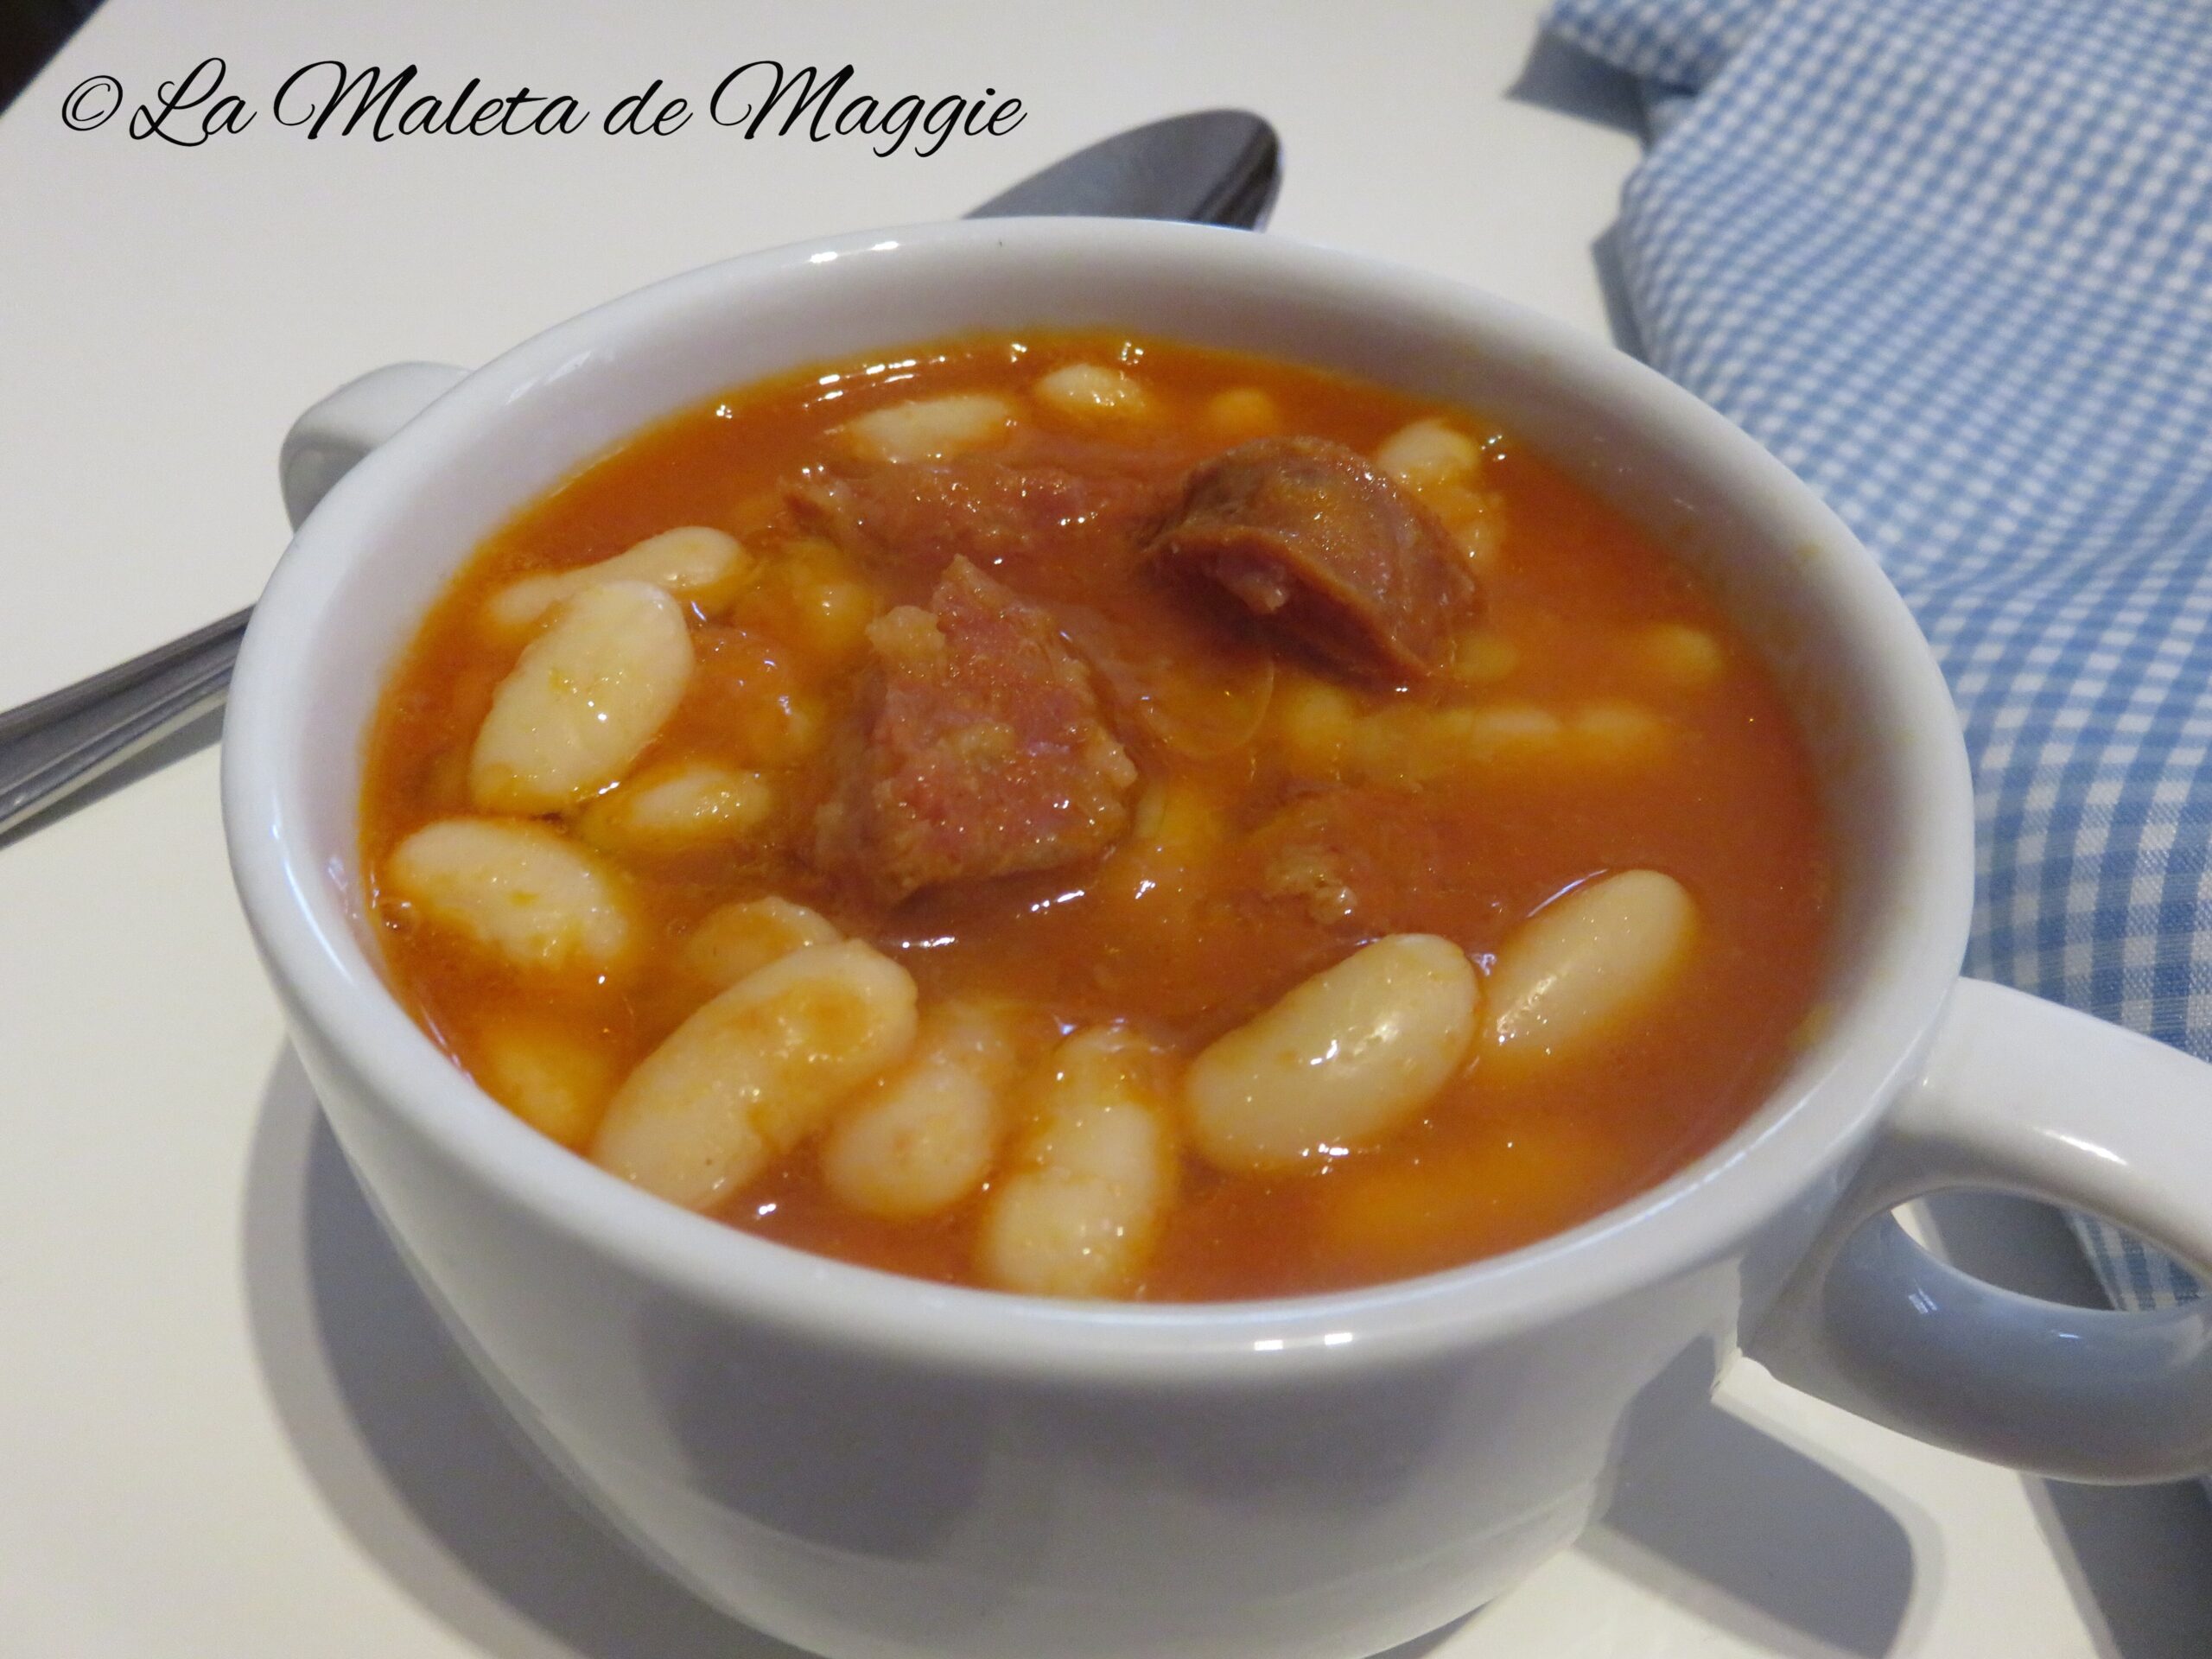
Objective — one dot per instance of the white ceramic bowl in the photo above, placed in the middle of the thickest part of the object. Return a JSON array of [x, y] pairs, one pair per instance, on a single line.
[[870, 1465]]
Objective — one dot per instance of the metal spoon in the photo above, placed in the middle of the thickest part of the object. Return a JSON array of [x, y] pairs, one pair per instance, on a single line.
[[1215, 167]]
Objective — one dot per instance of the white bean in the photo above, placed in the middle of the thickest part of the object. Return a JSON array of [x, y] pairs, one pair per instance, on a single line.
[[1095, 394], [1244, 412], [1681, 655], [1480, 536], [692, 563], [1342, 1060], [1426, 453], [1502, 731], [683, 804], [922, 1138], [1409, 748], [1176, 831], [585, 698], [1317, 724], [1482, 658], [741, 939], [755, 1071], [554, 1080], [830, 614], [929, 429], [1585, 961], [1078, 1211], [523, 890], [1615, 732]]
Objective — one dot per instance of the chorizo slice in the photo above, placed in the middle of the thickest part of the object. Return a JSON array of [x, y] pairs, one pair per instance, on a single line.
[[984, 752], [1313, 539]]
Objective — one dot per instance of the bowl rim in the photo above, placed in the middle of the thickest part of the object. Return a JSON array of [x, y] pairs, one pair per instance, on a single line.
[[1695, 1217]]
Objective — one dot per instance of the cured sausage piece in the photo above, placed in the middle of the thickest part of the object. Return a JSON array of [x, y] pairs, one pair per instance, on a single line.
[[984, 751], [1313, 539]]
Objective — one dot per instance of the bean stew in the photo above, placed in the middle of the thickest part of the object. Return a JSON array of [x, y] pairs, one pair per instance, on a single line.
[[1097, 817]]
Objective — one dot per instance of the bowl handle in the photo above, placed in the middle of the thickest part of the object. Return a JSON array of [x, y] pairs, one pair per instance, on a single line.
[[329, 440], [2024, 1096]]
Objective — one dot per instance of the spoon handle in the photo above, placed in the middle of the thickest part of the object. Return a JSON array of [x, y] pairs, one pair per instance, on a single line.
[[1214, 167], [56, 745]]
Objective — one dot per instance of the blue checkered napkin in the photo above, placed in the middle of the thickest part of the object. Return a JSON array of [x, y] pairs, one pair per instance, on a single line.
[[1952, 261]]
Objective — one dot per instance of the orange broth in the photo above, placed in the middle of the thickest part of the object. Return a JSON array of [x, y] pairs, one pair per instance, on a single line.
[[1184, 929]]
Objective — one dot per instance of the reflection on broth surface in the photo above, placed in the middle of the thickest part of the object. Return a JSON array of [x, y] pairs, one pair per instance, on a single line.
[[1099, 817]]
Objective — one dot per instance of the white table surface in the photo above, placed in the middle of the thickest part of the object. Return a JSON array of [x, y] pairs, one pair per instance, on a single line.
[[227, 1425]]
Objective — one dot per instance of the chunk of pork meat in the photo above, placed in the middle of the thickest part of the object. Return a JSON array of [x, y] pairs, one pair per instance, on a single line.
[[984, 751], [924, 515]]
